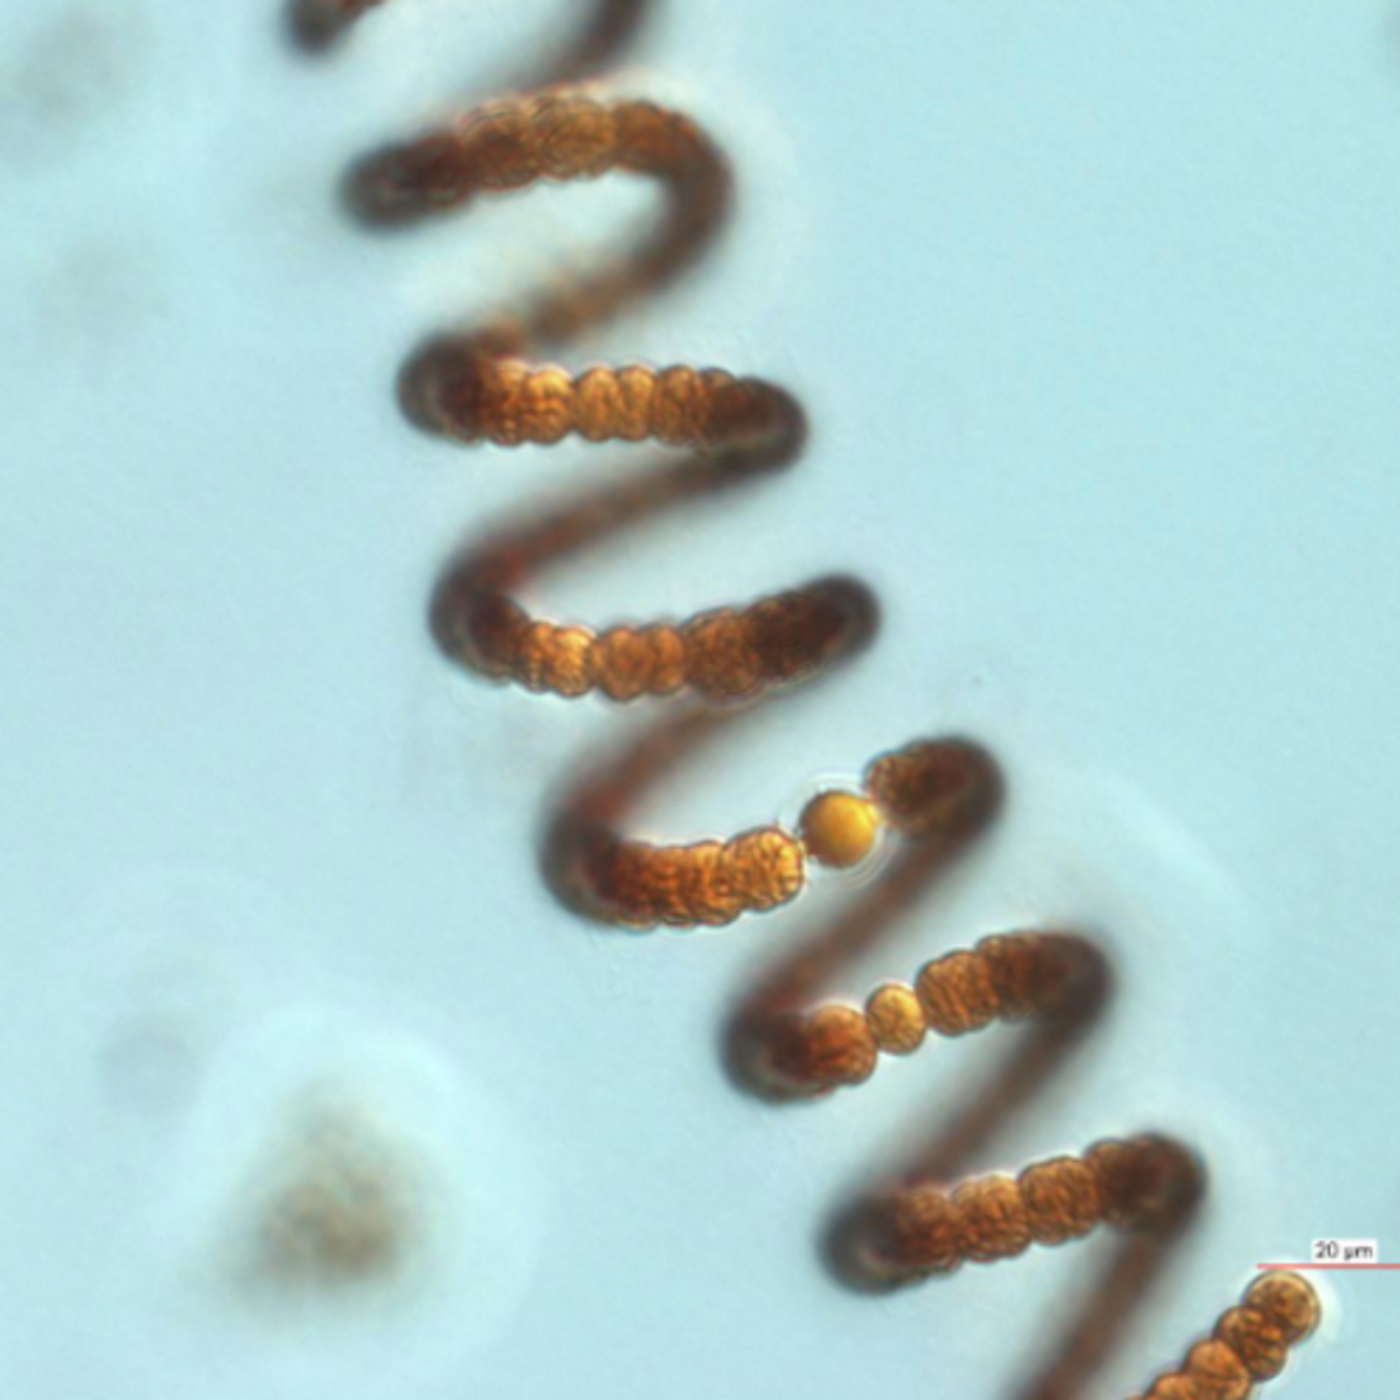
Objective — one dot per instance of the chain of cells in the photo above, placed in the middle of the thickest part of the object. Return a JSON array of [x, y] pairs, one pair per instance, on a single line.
[[492, 385]]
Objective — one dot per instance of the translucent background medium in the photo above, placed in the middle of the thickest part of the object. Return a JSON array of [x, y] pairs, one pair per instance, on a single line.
[[1094, 311]]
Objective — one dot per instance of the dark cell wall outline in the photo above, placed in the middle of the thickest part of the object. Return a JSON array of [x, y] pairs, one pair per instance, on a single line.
[[928, 798]]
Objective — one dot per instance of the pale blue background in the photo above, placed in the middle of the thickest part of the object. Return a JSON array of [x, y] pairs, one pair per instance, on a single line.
[[1095, 308]]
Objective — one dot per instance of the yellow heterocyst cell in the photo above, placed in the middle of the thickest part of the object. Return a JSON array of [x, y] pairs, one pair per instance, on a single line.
[[839, 828]]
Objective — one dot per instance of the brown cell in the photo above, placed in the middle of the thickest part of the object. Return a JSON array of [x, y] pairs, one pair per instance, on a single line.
[[1256, 1339], [1285, 1301], [722, 662], [597, 404], [1218, 1372], [896, 1019], [1061, 1198], [956, 993], [628, 662], [837, 1048], [932, 787], [489, 633], [766, 866], [574, 140], [555, 659], [918, 1234], [1144, 1181], [992, 1219]]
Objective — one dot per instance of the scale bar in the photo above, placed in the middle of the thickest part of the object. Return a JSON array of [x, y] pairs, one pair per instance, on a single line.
[[1327, 1266]]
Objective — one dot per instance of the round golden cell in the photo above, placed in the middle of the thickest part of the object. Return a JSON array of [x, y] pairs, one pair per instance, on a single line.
[[839, 828]]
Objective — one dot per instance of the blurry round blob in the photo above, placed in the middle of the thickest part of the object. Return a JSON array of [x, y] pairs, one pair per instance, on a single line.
[[349, 1209], [339, 1206]]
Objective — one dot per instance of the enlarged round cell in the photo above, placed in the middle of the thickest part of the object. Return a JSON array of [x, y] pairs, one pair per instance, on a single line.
[[840, 829]]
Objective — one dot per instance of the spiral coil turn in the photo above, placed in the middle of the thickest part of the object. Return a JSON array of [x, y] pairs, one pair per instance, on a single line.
[[484, 386]]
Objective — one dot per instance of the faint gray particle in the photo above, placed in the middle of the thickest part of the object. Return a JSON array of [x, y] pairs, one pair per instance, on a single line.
[[91, 299], [66, 78]]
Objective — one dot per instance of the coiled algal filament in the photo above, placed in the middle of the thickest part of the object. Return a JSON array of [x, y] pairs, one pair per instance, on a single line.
[[488, 386]]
